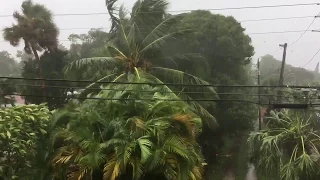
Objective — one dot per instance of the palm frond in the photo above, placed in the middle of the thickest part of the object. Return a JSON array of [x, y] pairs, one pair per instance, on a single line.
[[137, 166], [176, 59], [12, 35], [160, 41], [185, 78], [121, 38], [176, 145], [87, 89], [132, 34], [148, 12], [160, 30], [107, 62], [111, 169], [145, 146], [113, 16], [115, 51], [207, 118], [80, 173]]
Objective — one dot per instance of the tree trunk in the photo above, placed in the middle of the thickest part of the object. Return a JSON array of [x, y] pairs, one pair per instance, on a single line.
[[43, 83]]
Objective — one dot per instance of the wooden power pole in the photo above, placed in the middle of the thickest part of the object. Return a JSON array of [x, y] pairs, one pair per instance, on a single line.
[[259, 97], [285, 45]]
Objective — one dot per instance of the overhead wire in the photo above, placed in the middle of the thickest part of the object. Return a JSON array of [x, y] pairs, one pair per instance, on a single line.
[[275, 19], [314, 19], [121, 99], [257, 33], [301, 37], [187, 10], [311, 58], [128, 90], [168, 100], [247, 20], [159, 84]]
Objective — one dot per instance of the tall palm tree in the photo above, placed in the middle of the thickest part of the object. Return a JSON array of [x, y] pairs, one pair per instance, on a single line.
[[288, 148], [36, 28], [130, 138], [136, 48]]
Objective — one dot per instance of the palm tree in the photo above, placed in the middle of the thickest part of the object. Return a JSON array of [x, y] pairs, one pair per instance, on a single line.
[[138, 134], [36, 28], [136, 48], [289, 147]]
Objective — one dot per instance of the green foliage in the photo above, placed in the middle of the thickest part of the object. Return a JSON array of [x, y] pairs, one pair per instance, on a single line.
[[136, 48], [88, 45], [221, 40], [288, 148], [227, 50], [22, 128], [130, 139]]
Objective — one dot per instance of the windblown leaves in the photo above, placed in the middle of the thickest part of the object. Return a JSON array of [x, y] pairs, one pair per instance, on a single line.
[[289, 147], [21, 129], [150, 136]]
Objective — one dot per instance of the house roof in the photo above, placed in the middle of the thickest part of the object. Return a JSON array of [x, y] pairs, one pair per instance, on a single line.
[[18, 99]]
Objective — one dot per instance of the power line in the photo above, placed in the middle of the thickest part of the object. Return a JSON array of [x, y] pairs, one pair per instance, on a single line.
[[160, 84], [279, 18], [169, 100], [128, 90], [278, 32], [301, 37], [187, 10], [314, 19], [257, 33], [311, 58], [250, 7], [248, 20], [125, 99]]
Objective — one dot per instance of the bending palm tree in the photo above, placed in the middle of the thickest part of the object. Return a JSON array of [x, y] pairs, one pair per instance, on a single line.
[[37, 29], [136, 49]]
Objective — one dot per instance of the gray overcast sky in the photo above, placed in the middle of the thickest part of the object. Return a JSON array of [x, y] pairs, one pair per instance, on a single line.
[[298, 54]]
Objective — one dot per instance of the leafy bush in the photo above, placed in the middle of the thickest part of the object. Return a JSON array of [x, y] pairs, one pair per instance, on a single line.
[[21, 130]]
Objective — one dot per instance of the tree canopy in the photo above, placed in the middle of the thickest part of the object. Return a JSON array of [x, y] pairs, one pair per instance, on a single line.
[[220, 39]]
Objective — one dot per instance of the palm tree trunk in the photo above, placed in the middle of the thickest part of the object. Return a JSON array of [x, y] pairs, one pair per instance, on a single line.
[[43, 84]]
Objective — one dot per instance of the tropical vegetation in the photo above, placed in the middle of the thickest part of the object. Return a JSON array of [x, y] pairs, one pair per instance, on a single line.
[[288, 146], [23, 131], [129, 138], [132, 118]]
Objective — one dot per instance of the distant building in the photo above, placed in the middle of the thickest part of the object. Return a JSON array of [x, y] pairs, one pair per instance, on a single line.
[[18, 100]]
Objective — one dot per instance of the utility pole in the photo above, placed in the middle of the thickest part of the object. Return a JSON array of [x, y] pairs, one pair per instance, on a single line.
[[285, 45], [259, 92]]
